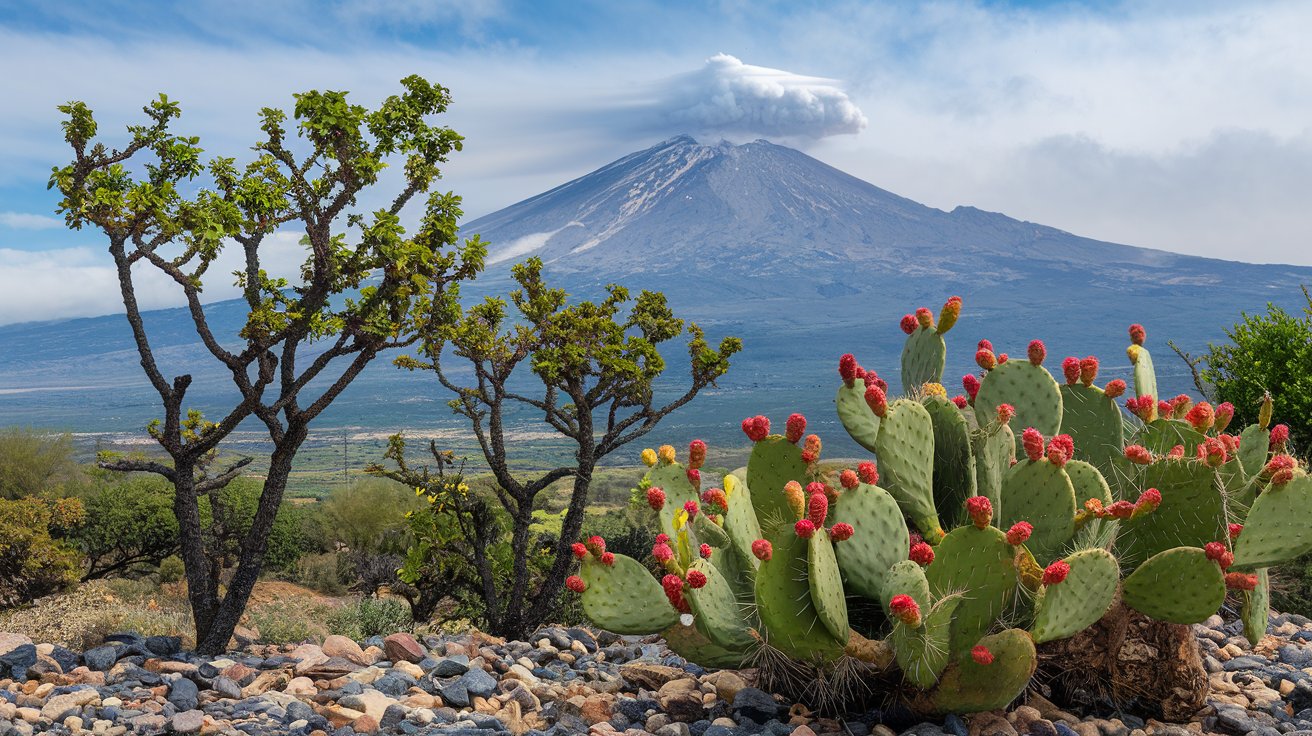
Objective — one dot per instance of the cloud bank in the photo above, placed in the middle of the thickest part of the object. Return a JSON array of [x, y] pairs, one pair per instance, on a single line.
[[728, 97]]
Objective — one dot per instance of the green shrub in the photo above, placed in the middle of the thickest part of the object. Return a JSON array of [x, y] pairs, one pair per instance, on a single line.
[[34, 561], [370, 617], [36, 463], [130, 524], [171, 569], [289, 621], [322, 573]]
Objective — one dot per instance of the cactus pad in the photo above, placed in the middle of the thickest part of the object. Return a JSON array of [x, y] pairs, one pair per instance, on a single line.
[[773, 463], [716, 610], [905, 448], [1180, 586], [994, 447], [1145, 378], [1029, 388], [970, 687], [922, 653], [1042, 494], [880, 540], [979, 564], [1160, 435], [1095, 423], [1256, 609], [709, 532], [827, 585], [673, 479], [783, 600], [1066, 608], [740, 521], [692, 645], [954, 463], [923, 358], [624, 598], [855, 414], [1254, 446], [906, 578], [1278, 527], [1192, 513]]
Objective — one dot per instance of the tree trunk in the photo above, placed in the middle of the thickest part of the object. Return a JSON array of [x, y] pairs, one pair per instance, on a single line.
[[1129, 661], [250, 562], [202, 584]]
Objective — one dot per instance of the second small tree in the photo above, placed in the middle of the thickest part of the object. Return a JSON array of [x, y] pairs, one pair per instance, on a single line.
[[596, 365]]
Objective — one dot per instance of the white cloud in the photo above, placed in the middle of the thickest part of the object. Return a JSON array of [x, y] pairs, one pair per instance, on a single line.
[[731, 98], [29, 221], [82, 281]]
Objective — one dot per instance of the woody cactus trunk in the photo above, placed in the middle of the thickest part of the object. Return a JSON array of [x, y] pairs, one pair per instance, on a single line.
[[1026, 518]]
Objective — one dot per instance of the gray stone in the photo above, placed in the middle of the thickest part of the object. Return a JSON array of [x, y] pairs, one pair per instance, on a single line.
[[188, 721], [755, 704], [101, 658], [451, 666], [184, 695]]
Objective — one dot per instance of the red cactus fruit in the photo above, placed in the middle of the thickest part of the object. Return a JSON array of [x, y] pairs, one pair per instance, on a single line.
[[1149, 500], [947, 317], [1088, 370], [1164, 409], [804, 528], [1138, 454], [1121, 510], [847, 369], [921, 553], [1143, 407], [1217, 552], [696, 579], [575, 583], [1056, 572], [756, 428], [1036, 352], [1175, 453], [913, 539], [1070, 368], [608, 559], [810, 448], [1067, 445], [696, 453], [960, 401], [763, 550], [877, 400], [1280, 469], [980, 510], [596, 545], [905, 609], [1282, 477], [1279, 436], [1213, 452], [1019, 532], [1240, 581], [1201, 416], [1137, 334], [848, 479], [877, 382], [1005, 413], [662, 552], [1094, 506], [695, 478], [985, 359], [1115, 389], [692, 507], [908, 323], [1225, 411], [1234, 530], [970, 382], [662, 538], [1032, 441], [984, 344], [705, 551], [1230, 441], [673, 585], [981, 655], [817, 508], [1056, 456], [841, 532], [656, 498], [716, 497], [1002, 358], [579, 550], [924, 317], [869, 473], [795, 427]]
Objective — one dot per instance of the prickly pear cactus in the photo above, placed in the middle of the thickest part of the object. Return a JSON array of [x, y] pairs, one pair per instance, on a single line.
[[1011, 515]]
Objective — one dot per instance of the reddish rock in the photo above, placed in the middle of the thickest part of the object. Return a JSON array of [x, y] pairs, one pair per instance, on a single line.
[[403, 647]]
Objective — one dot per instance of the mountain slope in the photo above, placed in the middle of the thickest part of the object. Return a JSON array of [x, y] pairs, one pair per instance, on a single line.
[[801, 260]]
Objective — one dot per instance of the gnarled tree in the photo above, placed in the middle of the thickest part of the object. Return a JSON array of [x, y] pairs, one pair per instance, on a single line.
[[595, 365], [366, 285]]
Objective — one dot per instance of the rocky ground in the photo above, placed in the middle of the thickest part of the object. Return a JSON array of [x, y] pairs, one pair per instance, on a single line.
[[562, 681]]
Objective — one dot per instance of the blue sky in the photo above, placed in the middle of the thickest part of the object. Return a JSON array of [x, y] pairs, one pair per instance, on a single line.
[[1175, 125]]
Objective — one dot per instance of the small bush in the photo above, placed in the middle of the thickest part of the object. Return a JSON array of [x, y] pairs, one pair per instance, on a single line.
[[322, 573], [370, 617], [34, 562], [171, 569], [290, 622]]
